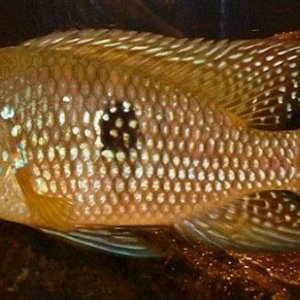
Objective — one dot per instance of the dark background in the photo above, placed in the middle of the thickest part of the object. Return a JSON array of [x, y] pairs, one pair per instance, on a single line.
[[34, 266], [21, 19]]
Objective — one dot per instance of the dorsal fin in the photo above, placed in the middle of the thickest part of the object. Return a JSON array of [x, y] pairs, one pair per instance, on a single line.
[[292, 35], [256, 80]]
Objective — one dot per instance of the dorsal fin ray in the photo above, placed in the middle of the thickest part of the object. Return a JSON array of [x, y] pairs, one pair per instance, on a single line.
[[256, 80]]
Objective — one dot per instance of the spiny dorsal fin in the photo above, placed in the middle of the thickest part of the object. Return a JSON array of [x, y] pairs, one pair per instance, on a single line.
[[266, 221], [292, 35], [256, 80], [128, 241]]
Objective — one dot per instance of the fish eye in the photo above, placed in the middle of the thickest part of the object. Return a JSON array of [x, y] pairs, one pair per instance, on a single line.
[[119, 128]]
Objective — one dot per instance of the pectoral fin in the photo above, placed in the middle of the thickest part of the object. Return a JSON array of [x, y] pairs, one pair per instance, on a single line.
[[267, 221], [128, 241], [46, 211]]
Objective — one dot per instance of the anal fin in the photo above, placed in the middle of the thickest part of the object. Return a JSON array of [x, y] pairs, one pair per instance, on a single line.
[[266, 221], [126, 240]]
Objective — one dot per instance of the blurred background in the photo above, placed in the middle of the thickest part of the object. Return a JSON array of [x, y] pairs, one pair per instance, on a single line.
[[34, 266]]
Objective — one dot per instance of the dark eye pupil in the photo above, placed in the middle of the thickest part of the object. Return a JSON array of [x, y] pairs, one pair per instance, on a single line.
[[119, 127]]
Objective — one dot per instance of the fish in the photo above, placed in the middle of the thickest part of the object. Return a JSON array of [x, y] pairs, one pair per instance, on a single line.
[[108, 134]]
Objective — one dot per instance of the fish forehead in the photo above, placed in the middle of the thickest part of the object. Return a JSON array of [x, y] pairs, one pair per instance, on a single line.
[[171, 153]]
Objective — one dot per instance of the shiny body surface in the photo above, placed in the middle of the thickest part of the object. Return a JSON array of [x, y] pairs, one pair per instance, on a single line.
[[116, 128]]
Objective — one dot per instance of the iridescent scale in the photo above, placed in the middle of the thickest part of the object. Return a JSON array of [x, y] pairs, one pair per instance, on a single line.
[[126, 149]]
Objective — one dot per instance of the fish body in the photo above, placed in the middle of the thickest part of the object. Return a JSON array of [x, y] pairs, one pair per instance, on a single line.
[[111, 129]]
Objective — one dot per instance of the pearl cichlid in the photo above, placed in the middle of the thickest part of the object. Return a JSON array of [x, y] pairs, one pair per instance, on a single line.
[[106, 134]]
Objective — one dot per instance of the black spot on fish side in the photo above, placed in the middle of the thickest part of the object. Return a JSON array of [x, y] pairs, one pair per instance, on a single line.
[[119, 127], [295, 118]]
